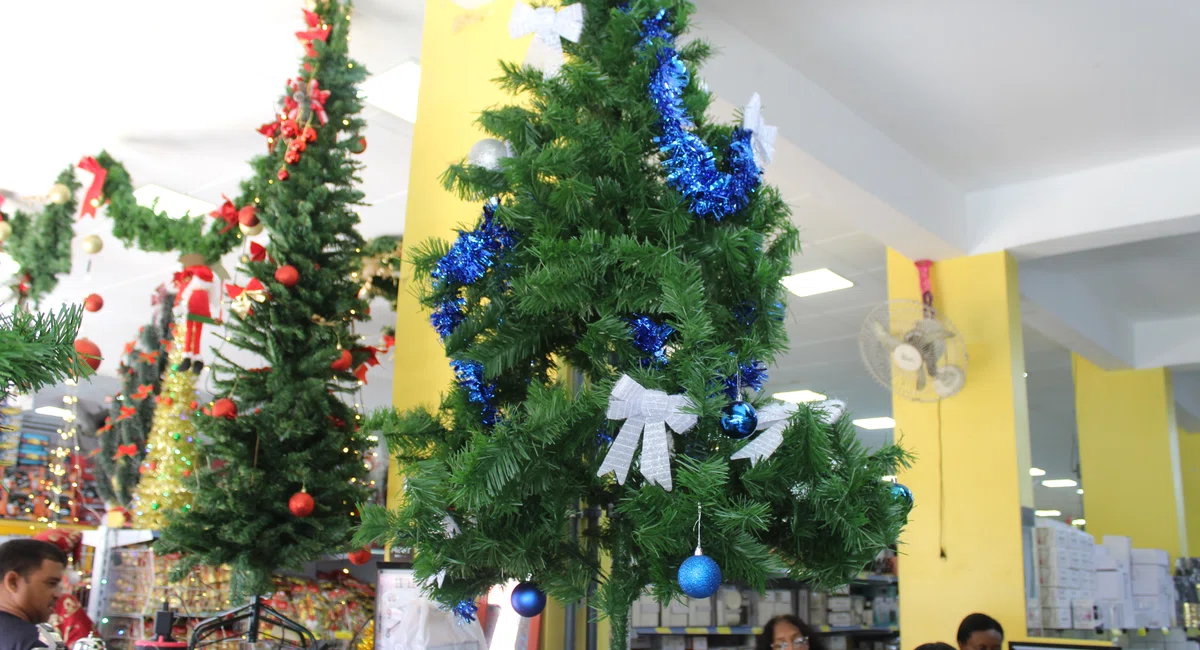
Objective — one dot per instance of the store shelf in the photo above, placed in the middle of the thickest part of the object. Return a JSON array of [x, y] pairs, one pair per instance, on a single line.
[[746, 630]]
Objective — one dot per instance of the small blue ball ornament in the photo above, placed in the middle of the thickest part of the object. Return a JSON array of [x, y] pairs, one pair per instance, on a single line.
[[902, 494], [739, 420], [699, 576], [528, 600]]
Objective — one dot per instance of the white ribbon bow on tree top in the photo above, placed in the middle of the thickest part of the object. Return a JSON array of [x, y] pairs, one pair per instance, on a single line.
[[651, 411], [549, 27], [773, 418]]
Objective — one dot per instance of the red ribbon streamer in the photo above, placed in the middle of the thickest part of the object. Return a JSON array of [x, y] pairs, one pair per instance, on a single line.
[[91, 199], [129, 450], [926, 284]]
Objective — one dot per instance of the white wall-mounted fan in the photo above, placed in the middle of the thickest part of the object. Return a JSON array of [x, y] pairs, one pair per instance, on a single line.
[[913, 351]]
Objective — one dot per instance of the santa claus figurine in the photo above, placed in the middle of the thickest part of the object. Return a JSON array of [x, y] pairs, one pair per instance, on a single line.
[[195, 294]]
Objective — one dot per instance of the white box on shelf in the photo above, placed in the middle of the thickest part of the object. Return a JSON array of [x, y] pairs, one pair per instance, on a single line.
[[674, 642], [1150, 580], [1152, 556], [1057, 597], [1054, 618], [836, 642], [1116, 614], [700, 612], [1112, 585], [729, 605], [675, 615], [840, 603], [646, 612], [1120, 548], [841, 619], [699, 642], [1053, 537], [1102, 559], [1083, 614], [1033, 614]]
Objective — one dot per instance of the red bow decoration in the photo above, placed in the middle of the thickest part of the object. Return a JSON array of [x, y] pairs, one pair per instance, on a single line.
[[389, 341], [368, 354], [163, 400], [148, 357], [129, 450], [129, 347], [91, 199], [361, 372], [316, 99], [270, 129], [143, 391], [106, 428], [245, 297], [227, 213], [258, 253], [315, 32], [126, 413]]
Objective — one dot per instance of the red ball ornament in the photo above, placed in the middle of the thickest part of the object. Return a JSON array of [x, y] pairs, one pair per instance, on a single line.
[[301, 504], [224, 408], [287, 275], [282, 174], [93, 302], [248, 216], [359, 145], [361, 556], [343, 362], [90, 353]]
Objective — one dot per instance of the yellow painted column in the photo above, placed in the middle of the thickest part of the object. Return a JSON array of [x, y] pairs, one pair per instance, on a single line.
[[460, 55], [963, 548], [1129, 453], [1189, 464]]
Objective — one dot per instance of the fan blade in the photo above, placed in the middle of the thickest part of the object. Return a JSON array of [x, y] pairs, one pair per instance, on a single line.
[[885, 338], [921, 378]]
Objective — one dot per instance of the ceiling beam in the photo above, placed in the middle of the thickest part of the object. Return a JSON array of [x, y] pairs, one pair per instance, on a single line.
[[1063, 309], [1104, 206], [876, 184], [1167, 342], [1186, 386]]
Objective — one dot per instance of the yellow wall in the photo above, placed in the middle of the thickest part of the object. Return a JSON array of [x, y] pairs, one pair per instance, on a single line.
[[1129, 456], [1189, 461], [984, 459], [460, 55]]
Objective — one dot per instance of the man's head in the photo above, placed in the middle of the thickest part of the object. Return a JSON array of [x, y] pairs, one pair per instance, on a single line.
[[980, 632], [31, 574]]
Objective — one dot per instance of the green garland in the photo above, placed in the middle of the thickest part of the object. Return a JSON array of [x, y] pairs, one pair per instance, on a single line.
[[41, 243]]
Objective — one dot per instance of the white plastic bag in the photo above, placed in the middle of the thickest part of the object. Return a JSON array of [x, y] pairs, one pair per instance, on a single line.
[[421, 625]]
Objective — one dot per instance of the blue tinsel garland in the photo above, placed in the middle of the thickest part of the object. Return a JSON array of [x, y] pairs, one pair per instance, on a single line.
[[690, 164], [469, 258], [751, 375], [465, 611], [479, 391], [650, 338]]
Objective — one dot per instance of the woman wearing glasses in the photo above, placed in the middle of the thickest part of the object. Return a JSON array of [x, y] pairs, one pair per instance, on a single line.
[[788, 633]]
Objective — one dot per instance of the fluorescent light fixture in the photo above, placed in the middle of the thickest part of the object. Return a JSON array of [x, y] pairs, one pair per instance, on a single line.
[[811, 283], [53, 411], [875, 423], [799, 396], [1037, 471], [1079, 491], [1025, 374], [888, 479], [395, 91], [1048, 513], [173, 203], [1059, 482], [1078, 522]]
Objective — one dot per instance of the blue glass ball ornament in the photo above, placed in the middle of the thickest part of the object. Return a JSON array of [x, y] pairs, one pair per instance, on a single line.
[[902, 494], [699, 576], [528, 600], [739, 420]]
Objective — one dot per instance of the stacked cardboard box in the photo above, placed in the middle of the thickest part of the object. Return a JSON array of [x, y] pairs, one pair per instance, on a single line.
[[1114, 592], [1153, 589], [1066, 576], [774, 602]]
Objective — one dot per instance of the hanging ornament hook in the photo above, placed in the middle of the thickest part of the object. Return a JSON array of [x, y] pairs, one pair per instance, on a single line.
[[699, 514]]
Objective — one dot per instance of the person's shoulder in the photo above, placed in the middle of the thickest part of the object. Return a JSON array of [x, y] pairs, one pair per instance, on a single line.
[[16, 634]]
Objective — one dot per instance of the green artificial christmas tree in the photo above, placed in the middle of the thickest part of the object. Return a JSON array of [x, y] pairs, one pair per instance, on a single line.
[[41, 242], [629, 242], [123, 436], [286, 458], [38, 349]]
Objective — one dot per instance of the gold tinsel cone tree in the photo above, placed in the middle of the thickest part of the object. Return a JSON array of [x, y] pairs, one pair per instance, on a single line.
[[168, 470]]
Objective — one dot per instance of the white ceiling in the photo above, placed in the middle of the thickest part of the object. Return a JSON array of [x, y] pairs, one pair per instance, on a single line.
[[991, 93]]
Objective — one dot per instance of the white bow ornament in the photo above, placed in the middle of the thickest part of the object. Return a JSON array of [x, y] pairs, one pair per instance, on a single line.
[[549, 27], [773, 419], [762, 138], [651, 411]]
